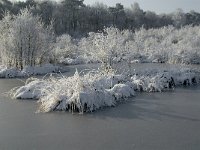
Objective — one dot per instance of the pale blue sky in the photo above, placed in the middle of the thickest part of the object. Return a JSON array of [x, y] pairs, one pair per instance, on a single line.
[[159, 6]]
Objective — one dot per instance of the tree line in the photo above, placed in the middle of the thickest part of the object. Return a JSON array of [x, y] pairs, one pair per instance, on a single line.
[[77, 19]]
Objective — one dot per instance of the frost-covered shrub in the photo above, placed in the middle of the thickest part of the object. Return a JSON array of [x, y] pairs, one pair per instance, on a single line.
[[160, 80], [167, 45], [185, 46], [24, 40], [65, 47], [32, 90], [84, 93], [163, 45], [77, 93], [107, 46]]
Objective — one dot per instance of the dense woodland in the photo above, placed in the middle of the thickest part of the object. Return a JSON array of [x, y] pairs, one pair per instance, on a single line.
[[77, 19]]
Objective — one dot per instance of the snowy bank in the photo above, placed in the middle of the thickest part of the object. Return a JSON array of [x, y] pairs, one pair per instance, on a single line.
[[77, 61], [71, 61], [164, 80], [27, 71], [95, 89]]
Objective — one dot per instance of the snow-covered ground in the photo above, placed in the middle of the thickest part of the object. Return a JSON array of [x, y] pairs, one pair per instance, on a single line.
[[71, 61], [97, 89], [6, 72]]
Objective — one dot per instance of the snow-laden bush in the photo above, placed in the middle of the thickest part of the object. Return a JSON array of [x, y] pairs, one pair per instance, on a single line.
[[32, 90], [163, 45], [24, 40], [106, 46], [65, 47], [157, 80], [168, 45], [82, 93], [87, 93]]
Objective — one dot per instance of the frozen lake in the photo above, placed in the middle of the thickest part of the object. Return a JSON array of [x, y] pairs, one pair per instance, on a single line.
[[149, 121]]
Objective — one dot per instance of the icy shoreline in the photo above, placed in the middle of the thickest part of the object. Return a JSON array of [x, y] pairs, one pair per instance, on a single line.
[[97, 89], [28, 71]]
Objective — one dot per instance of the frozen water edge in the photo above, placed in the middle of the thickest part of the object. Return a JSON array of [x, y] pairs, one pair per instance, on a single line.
[[27, 71], [97, 89]]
